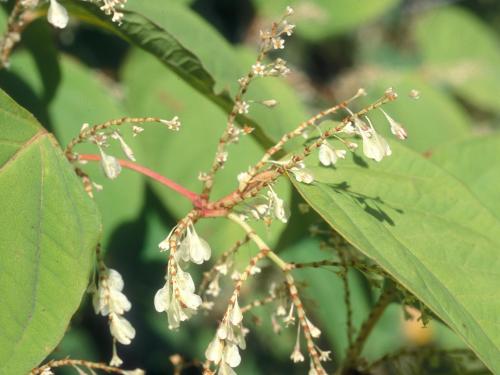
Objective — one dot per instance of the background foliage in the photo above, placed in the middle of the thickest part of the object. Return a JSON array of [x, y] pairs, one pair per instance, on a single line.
[[447, 50]]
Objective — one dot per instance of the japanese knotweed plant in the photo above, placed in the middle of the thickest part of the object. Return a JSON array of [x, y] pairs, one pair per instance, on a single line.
[[254, 199]]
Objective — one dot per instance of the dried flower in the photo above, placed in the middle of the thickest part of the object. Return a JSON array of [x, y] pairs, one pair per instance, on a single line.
[[396, 128]]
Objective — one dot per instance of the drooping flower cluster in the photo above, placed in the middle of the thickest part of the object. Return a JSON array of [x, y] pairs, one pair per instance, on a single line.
[[223, 350], [177, 297], [109, 300]]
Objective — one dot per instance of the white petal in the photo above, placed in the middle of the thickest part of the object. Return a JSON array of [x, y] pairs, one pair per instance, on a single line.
[[114, 279], [214, 350], [57, 15], [121, 329], [162, 298], [236, 315], [232, 355], [324, 155]]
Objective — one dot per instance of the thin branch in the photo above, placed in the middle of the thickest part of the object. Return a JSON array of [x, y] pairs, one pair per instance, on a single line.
[[356, 348], [78, 362], [192, 196]]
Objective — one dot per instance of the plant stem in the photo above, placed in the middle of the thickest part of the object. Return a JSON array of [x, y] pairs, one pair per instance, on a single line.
[[192, 196], [356, 348]]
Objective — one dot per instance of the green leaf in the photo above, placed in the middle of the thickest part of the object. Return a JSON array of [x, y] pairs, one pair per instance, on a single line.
[[49, 229], [475, 162], [319, 19], [164, 33], [426, 230], [462, 52]]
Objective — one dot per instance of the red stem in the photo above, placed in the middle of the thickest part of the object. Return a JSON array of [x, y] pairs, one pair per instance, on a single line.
[[192, 196]]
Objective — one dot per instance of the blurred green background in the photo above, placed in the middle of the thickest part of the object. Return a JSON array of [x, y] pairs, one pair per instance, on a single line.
[[447, 50]]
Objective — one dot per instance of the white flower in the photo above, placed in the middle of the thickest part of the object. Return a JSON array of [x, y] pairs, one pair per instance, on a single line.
[[214, 350], [328, 155], [121, 329], [258, 69], [194, 248], [116, 361], [288, 28], [124, 146], [231, 355], [414, 94], [278, 206], [374, 145], [110, 165], [302, 174], [315, 331], [396, 128], [173, 124], [236, 315], [278, 43], [181, 308], [242, 107], [57, 15], [296, 355], [109, 297], [225, 369], [289, 11], [324, 355]]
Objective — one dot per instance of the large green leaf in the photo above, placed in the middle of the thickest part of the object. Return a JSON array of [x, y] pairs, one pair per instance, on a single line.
[[49, 229], [475, 161], [170, 33], [425, 229], [459, 50], [319, 19]]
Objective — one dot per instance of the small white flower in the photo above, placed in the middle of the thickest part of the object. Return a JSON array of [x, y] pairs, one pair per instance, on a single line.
[[396, 128], [270, 103], [57, 15], [121, 329], [109, 297], [374, 145], [324, 355], [215, 350], [258, 69], [124, 146], [225, 369], [236, 315], [414, 94], [328, 155], [231, 355], [116, 361], [296, 355], [173, 124], [278, 206], [194, 248], [314, 370], [302, 174], [110, 165], [242, 107], [278, 43], [315, 331], [289, 11], [136, 130], [288, 28]]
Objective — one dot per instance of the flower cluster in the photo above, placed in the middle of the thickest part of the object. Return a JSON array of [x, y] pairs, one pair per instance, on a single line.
[[108, 300], [223, 349], [177, 297]]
